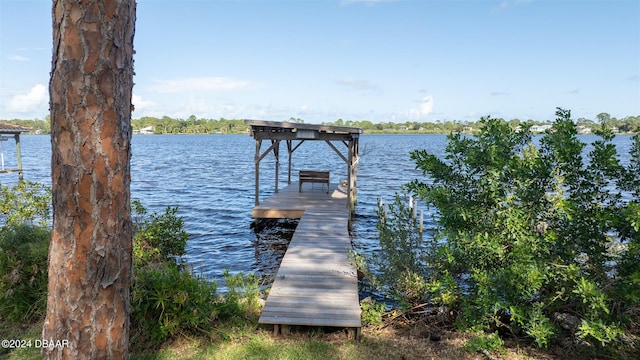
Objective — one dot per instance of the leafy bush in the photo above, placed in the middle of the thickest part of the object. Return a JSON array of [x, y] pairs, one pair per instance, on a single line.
[[24, 245], [167, 301], [372, 312], [25, 203], [166, 298], [484, 343], [528, 233], [397, 269], [23, 272], [243, 297], [159, 238]]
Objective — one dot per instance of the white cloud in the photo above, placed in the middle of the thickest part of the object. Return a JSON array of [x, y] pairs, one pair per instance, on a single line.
[[141, 105], [425, 108], [194, 84], [18, 58], [37, 99], [360, 85]]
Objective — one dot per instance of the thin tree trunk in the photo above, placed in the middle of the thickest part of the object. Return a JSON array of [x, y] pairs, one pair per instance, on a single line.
[[90, 252]]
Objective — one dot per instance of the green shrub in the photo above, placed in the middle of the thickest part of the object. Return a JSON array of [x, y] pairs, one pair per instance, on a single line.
[[159, 238], [526, 232], [399, 268], [372, 312], [530, 231], [484, 343], [243, 297], [167, 301], [25, 203], [24, 245], [23, 272], [166, 298]]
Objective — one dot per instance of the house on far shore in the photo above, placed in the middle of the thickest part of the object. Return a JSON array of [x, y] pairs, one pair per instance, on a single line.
[[583, 130], [144, 131], [540, 128]]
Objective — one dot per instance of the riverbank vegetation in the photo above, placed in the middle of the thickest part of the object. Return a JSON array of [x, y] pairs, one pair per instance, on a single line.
[[168, 301], [535, 243], [194, 125], [178, 315], [175, 314], [536, 254]]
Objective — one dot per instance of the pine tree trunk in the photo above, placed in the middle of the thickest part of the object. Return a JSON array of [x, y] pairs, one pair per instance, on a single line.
[[90, 252]]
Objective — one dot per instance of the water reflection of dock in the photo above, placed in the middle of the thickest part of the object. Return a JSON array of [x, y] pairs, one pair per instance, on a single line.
[[315, 284]]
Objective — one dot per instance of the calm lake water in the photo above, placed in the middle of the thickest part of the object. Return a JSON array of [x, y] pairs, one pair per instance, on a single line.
[[211, 179]]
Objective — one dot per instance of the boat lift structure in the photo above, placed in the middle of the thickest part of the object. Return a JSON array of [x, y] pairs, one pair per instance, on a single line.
[[8, 131], [294, 135]]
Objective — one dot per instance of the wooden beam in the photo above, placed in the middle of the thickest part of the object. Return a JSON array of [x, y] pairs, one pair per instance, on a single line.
[[337, 151], [293, 136], [298, 145], [266, 152], [277, 125]]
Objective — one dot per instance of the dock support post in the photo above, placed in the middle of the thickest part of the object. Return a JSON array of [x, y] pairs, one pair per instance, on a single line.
[[352, 174], [353, 333], [19, 156], [256, 161], [285, 329], [276, 152], [290, 152]]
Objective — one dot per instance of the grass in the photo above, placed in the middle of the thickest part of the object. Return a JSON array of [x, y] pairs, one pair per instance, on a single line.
[[327, 344], [29, 332], [250, 341], [243, 338]]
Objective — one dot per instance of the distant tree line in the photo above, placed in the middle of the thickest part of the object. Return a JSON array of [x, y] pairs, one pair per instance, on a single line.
[[38, 126], [191, 125], [629, 124], [194, 125]]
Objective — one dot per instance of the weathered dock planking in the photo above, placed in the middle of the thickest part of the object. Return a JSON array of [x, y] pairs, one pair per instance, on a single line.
[[316, 284]]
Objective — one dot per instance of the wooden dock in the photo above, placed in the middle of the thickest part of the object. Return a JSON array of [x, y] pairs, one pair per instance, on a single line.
[[315, 285]]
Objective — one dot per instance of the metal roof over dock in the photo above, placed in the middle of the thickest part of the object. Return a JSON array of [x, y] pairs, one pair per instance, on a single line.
[[8, 128]]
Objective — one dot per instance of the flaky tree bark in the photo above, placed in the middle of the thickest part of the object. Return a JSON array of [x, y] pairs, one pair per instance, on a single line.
[[90, 251]]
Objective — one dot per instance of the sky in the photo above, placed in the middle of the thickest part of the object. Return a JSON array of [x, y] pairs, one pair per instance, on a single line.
[[376, 60]]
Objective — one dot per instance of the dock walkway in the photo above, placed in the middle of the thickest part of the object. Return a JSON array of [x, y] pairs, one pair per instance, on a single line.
[[316, 284]]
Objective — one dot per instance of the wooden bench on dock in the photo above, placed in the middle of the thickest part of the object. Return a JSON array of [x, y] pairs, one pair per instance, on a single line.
[[311, 176]]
